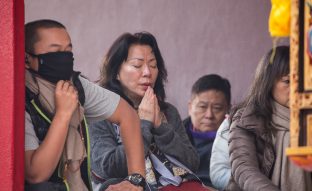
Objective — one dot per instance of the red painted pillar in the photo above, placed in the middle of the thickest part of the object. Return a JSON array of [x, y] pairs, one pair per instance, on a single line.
[[12, 95]]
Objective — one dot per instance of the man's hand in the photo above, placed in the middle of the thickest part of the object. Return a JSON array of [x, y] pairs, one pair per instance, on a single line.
[[66, 98], [124, 186]]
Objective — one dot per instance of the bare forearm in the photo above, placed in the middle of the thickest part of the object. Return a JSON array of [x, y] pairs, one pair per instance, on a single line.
[[132, 140], [131, 135], [41, 163]]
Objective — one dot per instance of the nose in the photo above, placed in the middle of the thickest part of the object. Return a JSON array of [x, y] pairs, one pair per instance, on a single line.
[[209, 113], [146, 71]]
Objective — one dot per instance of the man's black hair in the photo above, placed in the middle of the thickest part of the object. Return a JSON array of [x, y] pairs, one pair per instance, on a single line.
[[213, 82]]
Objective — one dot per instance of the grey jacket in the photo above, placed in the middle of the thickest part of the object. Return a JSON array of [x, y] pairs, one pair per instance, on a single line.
[[251, 153], [108, 159]]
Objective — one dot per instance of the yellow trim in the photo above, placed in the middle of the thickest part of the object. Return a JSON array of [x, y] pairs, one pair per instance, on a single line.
[[39, 111], [299, 151], [49, 121], [88, 152], [66, 184]]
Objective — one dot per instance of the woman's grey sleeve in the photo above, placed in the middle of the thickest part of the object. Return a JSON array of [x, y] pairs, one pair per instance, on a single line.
[[107, 151], [108, 158], [171, 139]]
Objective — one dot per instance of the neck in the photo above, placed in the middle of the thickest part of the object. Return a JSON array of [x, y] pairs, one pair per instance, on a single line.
[[135, 100], [202, 135]]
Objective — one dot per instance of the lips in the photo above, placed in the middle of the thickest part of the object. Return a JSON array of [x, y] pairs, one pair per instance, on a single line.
[[145, 85]]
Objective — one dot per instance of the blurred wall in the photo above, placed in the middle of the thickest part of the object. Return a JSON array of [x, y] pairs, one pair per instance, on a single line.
[[195, 37]]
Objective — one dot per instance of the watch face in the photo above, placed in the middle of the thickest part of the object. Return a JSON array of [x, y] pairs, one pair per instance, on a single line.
[[136, 179]]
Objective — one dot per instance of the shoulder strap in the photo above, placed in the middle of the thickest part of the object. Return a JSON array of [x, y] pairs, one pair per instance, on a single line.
[[41, 126], [79, 87]]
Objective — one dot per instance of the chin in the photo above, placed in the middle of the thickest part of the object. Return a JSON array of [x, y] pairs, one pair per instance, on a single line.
[[139, 93], [206, 129]]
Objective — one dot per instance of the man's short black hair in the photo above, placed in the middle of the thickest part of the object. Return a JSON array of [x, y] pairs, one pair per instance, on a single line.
[[31, 31], [213, 82]]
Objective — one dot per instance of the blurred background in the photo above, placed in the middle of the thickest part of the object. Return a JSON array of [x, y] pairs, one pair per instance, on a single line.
[[195, 37]]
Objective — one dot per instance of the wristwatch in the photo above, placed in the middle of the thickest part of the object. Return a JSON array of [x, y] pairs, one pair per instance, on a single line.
[[136, 179]]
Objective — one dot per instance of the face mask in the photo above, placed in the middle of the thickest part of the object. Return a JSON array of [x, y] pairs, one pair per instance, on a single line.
[[55, 66]]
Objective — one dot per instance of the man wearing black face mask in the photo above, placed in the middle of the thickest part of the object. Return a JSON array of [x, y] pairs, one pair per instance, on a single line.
[[55, 66], [58, 101]]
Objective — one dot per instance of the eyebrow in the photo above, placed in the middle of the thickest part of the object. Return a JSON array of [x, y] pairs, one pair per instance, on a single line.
[[135, 58], [204, 102]]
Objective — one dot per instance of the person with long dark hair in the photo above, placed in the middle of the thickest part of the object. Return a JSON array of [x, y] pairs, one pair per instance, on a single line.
[[259, 131], [135, 69]]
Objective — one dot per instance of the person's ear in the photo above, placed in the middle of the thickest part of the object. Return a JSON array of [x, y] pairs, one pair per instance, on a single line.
[[189, 107], [27, 63], [118, 78]]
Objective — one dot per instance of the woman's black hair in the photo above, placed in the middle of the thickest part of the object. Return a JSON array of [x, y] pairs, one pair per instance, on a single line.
[[118, 54]]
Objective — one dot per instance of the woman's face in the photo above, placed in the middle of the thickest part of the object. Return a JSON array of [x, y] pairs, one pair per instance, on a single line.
[[280, 91], [138, 72]]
